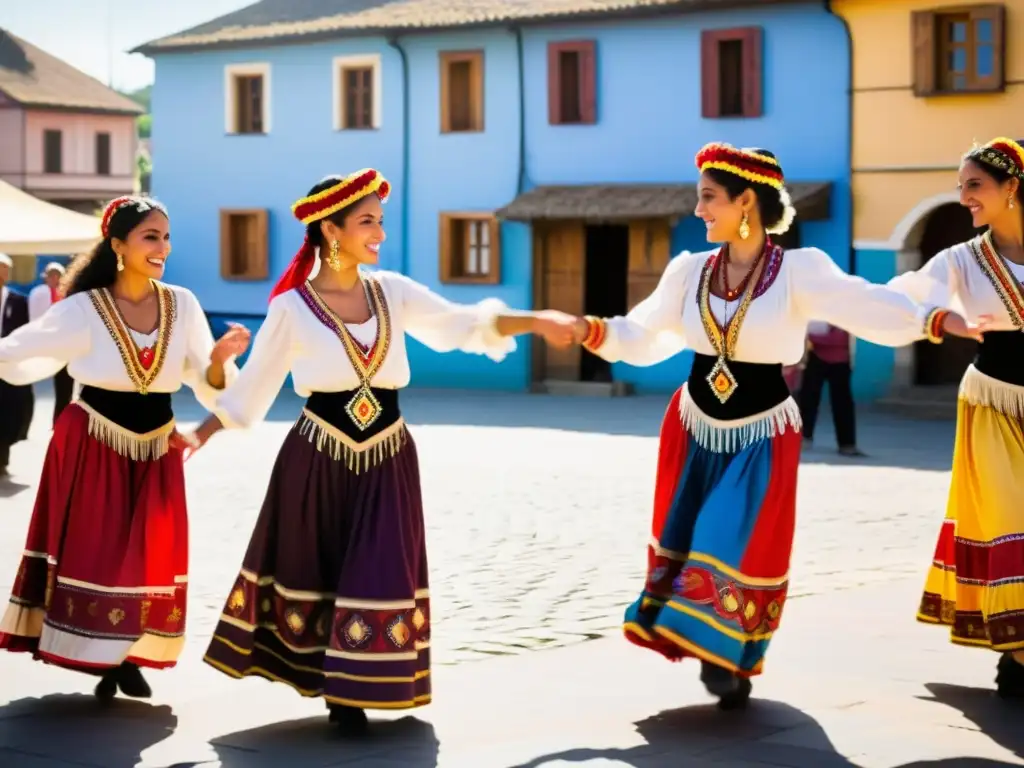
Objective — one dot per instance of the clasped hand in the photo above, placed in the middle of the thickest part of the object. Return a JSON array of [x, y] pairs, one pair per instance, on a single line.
[[559, 329]]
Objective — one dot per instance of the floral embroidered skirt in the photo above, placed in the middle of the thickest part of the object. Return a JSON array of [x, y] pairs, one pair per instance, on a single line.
[[721, 539], [332, 597], [103, 577], [975, 585]]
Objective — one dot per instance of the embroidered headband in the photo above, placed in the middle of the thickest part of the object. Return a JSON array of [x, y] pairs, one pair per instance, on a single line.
[[140, 204], [343, 193], [1003, 154], [745, 163]]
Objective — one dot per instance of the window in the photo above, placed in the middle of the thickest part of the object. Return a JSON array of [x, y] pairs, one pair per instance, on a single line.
[[470, 248], [959, 50], [243, 245], [247, 99], [572, 83], [103, 154], [53, 155], [731, 72], [462, 91], [357, 92]]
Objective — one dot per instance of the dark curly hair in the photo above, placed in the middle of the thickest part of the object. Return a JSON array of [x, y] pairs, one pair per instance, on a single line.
[[999, 175], [98, 268], [774, 205]]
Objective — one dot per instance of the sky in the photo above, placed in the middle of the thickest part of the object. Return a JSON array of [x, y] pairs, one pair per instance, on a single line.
[[95, 35]]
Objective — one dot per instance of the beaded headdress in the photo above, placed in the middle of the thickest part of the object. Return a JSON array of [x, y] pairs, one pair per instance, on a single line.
[[746, 163], [343, 193], [1003, 154]]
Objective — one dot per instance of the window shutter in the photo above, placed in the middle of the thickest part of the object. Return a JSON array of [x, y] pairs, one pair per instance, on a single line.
[[493, 275], [554, 85], [996, 14], [588, 82], [753, 73], [710, 101], [444, 247], [924, 45]]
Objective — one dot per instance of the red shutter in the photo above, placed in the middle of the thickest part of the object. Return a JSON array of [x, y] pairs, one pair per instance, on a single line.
[[924, 64], [753, 73], [709, 88], [588, 81], [554, 88]]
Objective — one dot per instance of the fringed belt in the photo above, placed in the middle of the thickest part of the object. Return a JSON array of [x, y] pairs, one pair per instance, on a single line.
[[760, 408], [334, 422], [979, 388], [134, 425]]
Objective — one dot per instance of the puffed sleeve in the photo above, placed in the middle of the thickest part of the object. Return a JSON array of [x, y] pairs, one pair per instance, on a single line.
[[875, 313], [197, 354], [445, 326], [935, 284], [652, 331], [39, 349], [249, 398]]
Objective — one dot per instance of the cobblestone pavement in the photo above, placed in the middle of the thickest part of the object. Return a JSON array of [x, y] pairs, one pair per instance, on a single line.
[[538, 511]]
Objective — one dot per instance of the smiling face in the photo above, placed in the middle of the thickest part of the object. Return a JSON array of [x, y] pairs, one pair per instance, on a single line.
[[145, 249], [986, 198], [360, 235], [721, 215]]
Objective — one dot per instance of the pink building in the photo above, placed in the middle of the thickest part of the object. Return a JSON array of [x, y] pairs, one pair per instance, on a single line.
[[64, 136]]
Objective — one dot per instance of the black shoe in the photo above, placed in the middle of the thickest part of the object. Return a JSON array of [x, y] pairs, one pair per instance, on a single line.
[[106, 688], [350, 720], [1009, 678], [739, 698], [132, 683], [852, 451], [733, 691]]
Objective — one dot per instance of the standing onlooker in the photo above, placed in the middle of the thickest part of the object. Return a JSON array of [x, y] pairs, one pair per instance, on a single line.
[[40, 299], [828, 360], [16, 403]]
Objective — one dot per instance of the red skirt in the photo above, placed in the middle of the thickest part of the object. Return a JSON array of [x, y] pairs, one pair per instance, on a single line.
[[103, 577]]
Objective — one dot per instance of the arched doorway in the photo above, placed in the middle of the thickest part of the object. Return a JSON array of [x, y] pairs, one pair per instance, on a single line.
[[943, 364]]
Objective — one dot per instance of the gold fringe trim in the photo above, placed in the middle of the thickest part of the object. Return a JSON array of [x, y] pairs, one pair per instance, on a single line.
[[357, 456], [730, 436], [980, 389], [145, 447]]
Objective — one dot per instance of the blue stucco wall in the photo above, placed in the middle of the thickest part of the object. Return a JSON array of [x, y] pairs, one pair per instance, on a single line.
[[649, 127], [873, 366]]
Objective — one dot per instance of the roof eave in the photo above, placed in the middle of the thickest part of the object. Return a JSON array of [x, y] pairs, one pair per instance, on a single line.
[[45, 106]]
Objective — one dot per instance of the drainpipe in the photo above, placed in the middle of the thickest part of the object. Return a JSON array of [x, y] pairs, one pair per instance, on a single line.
[[404, 195], [849, 127], [521, 181]]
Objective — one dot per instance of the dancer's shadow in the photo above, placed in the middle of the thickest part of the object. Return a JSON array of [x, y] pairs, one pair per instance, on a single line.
[[767, 732], [10, 488], [65, 725], [313, 741]]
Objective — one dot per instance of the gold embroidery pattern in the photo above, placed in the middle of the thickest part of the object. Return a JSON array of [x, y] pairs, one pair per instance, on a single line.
[[116, 616], [1005, 284], [141, 376], [722, 381], [175, 616], [144, 607]]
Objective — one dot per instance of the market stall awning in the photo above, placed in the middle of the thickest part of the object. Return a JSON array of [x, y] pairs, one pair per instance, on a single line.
[[30, 226], [626, 202]]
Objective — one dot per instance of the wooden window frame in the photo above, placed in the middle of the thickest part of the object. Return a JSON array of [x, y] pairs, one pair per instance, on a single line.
[[100, 170], [450, 274], [47, 167], [587, 52], [928, 50], [232, 73], [258, 264], [752, 78], [339, 66], [476, 59]]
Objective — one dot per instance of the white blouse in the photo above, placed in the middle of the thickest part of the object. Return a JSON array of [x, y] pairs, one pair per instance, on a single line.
[[972, 279], [808, 286], [87, 333], [293, 338]]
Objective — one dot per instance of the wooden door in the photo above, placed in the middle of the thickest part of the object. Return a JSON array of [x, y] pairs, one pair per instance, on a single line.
[[558, 269], [649, 254]]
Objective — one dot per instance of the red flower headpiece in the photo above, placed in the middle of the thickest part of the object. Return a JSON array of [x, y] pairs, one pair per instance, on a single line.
[[345, 192], [745, 163], [1002, 153], [113, 207]]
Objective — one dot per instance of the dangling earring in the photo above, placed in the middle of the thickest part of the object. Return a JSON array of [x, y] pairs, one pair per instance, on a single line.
[[745, 227], [1010, 202], [334, 256], [120, 263]]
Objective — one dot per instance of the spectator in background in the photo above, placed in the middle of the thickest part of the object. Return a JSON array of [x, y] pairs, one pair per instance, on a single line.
[[828, 360], [16, 403], [40, 299]]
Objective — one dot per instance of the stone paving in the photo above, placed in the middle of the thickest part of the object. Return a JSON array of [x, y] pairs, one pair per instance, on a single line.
[[537, 511]]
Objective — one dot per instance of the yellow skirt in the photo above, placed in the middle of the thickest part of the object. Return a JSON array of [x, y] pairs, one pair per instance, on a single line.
[[975, 585]]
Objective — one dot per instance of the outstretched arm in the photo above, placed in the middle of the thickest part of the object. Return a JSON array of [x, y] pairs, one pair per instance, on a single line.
[[37, 350]]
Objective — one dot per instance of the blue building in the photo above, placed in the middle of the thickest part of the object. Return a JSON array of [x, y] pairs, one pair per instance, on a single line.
[[541, 154]]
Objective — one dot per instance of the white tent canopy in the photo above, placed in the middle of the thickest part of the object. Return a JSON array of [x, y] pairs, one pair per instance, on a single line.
[[30, 226]]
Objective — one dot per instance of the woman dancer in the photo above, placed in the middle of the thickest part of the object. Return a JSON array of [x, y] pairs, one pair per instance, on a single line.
[[725, 496], [332, 596], [975, 585], [101, 585]]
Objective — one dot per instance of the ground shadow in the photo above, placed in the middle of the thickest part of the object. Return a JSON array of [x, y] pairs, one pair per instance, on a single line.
[[768, 732], [10, 488], [406, 741], [54, 727]]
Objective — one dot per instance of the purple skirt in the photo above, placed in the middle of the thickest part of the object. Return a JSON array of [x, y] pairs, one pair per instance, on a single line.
[[332, 596]]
